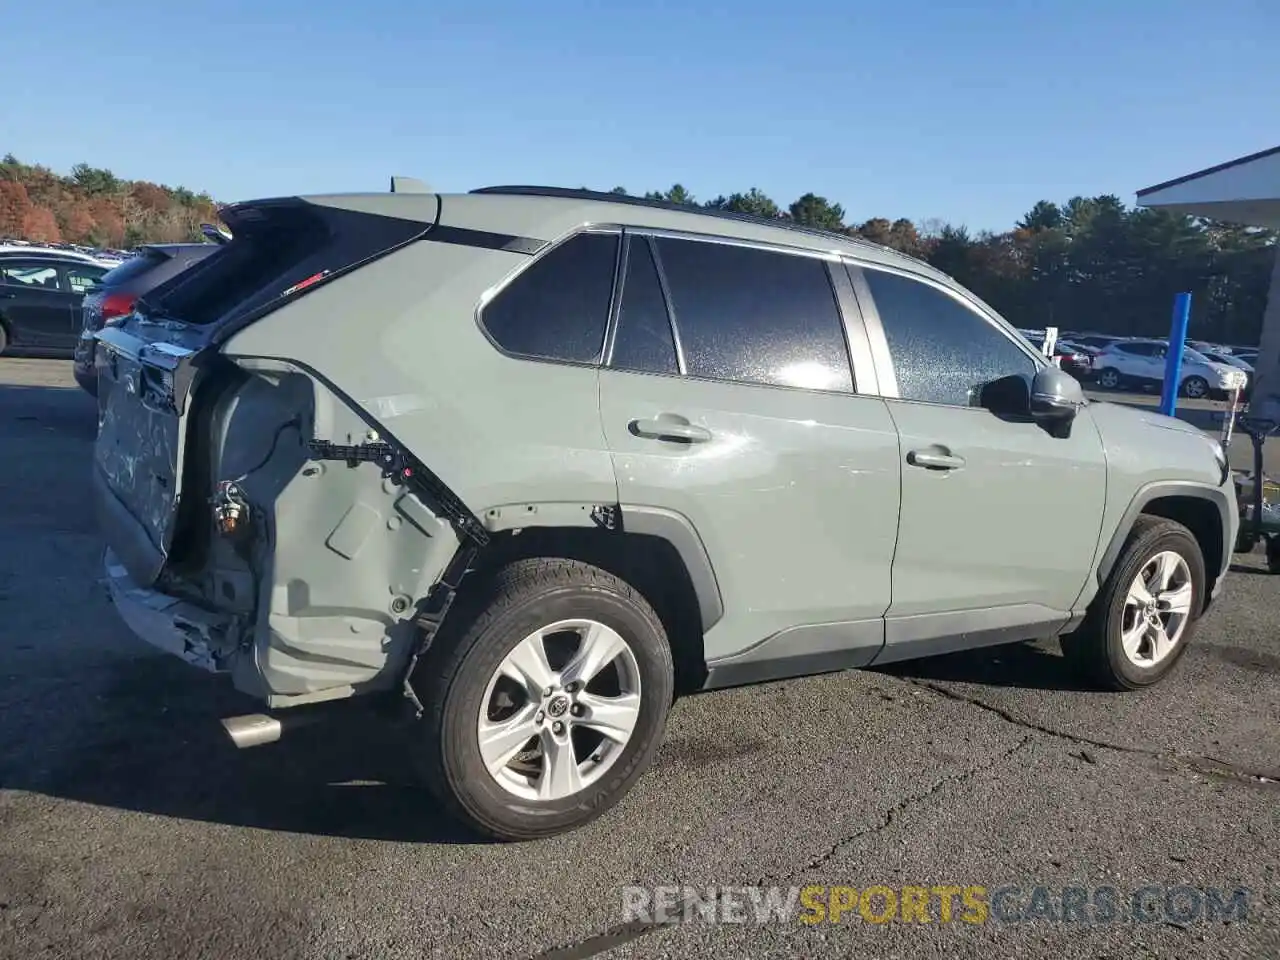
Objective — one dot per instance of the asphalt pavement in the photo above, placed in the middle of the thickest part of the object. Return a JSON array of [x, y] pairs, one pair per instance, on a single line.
[[131, 828]]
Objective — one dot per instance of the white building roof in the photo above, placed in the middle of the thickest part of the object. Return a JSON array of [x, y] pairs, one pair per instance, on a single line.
[[1246, 190]]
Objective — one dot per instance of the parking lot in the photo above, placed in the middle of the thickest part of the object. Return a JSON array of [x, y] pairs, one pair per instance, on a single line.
[[130, 827]]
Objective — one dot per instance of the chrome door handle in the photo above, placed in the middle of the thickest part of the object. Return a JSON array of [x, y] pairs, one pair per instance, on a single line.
[[667, 427], [933, 460]]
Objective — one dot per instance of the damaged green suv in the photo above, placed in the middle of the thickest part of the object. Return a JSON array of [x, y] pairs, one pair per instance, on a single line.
[[534, 461]]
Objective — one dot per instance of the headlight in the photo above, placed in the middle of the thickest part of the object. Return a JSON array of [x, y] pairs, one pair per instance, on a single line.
[[1220, 457]]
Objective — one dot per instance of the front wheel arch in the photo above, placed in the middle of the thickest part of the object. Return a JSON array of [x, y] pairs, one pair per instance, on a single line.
[[1201, 509]]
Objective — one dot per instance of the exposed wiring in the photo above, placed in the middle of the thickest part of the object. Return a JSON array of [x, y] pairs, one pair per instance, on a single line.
[[296, 423]]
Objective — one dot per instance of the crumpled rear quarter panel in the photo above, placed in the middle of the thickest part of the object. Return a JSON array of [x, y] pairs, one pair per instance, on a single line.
[[340, 554]]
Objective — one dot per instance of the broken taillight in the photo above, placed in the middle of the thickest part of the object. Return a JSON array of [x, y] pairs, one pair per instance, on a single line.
[[117, 305]]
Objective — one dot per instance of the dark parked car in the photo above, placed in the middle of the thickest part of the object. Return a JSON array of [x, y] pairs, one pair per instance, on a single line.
[[119, 290], [1095, 341], [1075, 360], [40, 296]]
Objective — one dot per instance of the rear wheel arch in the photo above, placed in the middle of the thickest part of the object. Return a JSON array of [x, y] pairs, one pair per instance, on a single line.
[[655, 565]]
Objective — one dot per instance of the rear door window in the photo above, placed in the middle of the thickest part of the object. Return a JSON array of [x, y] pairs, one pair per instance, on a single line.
[[558, 307], [751, 315], [81, 279]]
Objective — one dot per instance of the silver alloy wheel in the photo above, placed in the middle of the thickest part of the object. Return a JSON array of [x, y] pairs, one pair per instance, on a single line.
[[1108, 379], [544, 733], [1156, 609], [1195, 387]]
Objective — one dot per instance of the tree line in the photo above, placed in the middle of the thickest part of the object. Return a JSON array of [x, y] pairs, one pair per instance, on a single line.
[[96, 208], [1091, 263]]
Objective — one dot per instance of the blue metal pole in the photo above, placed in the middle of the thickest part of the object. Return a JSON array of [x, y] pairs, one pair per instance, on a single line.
[[1173, 362]]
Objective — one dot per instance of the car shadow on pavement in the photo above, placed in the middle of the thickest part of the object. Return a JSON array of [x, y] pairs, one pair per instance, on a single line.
[[1023, 665], [89, 713], [151, 741], [1237, 568], [72, 415]]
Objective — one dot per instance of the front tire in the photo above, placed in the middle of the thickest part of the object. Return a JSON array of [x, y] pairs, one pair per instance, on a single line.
[[546, 698], [1142, 619], [1195, 388]]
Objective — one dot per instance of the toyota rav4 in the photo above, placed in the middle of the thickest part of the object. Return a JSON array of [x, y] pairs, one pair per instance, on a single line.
[[534, 461]]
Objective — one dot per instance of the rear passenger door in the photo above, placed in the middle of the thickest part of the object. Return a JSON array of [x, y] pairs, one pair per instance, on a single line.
[[77, 280], [978, 558], [728, 402]]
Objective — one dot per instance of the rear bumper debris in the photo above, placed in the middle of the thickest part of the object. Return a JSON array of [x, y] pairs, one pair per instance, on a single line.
[[201, 638]]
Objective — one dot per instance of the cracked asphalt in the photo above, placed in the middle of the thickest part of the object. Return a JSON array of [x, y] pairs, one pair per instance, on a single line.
[[130, 828]]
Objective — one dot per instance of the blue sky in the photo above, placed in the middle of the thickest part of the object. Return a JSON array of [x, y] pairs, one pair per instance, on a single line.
[[964, 111]]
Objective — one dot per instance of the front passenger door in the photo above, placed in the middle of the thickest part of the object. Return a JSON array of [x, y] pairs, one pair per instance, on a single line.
[[33, 302], [978, 558]]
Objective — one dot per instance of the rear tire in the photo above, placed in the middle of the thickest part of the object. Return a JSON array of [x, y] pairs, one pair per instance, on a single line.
[[516, 788], [1109, 378], [4, 339], [1118, 646]]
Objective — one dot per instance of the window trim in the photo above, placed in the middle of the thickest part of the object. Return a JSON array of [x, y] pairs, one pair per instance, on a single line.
[[629, 237], [885, 367], [832, 261], [493, 292]]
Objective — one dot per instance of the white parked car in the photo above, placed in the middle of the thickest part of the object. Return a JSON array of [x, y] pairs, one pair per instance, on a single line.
[[1127, 363]]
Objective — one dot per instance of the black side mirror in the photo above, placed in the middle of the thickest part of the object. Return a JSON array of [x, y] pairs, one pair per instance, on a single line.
[[1051, 399], [1008, 398]]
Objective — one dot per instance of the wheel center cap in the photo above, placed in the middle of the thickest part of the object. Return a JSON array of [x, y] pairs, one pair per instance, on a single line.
[[558, 706]]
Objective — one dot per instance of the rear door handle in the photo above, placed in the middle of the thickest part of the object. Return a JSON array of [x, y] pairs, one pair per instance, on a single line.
[[933, 460], [669, 427]]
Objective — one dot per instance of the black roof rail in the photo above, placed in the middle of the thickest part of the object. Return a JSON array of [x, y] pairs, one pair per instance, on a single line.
[[779, 223]]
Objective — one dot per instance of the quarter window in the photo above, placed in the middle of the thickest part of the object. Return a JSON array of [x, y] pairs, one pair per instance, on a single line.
[[643, 341], [82, 279], [942, 351], [755, 316], [558, 307]]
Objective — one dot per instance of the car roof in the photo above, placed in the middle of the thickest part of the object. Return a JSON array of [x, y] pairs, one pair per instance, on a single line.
[[548, 213], [52, 253]]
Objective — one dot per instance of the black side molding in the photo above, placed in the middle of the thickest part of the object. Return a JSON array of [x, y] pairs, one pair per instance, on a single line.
[[485, 239]]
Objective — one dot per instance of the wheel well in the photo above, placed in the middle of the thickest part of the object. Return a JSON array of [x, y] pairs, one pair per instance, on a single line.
[[649, 563], [1201, 518]]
